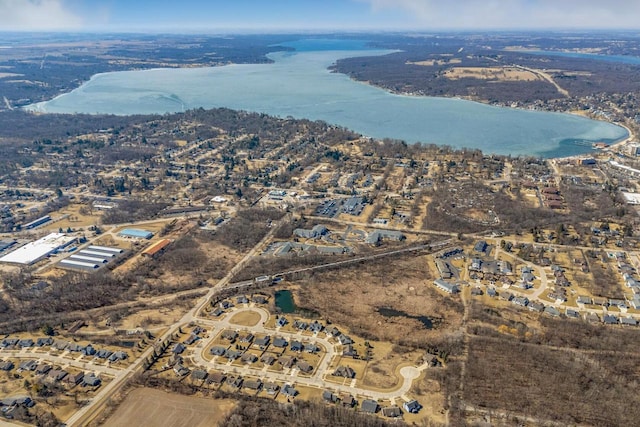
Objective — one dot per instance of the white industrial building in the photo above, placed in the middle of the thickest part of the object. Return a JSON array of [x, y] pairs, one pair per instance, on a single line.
[[41, 248]]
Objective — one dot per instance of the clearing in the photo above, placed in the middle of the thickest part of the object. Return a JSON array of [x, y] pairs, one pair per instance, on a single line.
[[505, 74]]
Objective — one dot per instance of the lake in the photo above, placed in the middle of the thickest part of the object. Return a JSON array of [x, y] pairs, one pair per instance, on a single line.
[[298, 84]]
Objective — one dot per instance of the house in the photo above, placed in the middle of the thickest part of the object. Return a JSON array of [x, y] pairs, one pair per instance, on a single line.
[[327, 396], [348, 400], [316, 327], [349, 351], [6, 365], [600, 301], [216, 378], [26, 343], [300, 325], [9, 342], [507, 296], [253, 385], [60, 345], [43, 368], [25, 401], [287, 361], [192, 338], [536, 306], [552, 311], [89, 350], [28, 365], [248, 338], [268, 359], [345, 372], [447, 287], [235, 382], [617, 303], [217, 312], [476, 291], [296, 346], [369, 406], [199, 374], [280, 342], [242, 299], [56, 375], [491, 291], [76, 348], [233, 354], [476, 264], [263, 342], [311, 348], [521, 301], [259, 299], [103, 354], [281, 321], [333, 332], [41, 342], [229, 335], [75, 379], [271, 388], [592, 318], [249, 358], [288, 390], [179, 348], [91, 381], [629, 321], [584, 300], [117, 356], [218, 351], [345, 339], [444, 269], [572, 314], [180, 370], [610, 319], [392, 411], [304, 367], [505, 268], [412, 406], [480, 246]]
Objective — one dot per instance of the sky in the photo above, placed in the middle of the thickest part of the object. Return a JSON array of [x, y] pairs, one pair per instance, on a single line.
[[219, 16]]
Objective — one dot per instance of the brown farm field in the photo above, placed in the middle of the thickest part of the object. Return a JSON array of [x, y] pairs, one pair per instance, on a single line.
[[154, 408]]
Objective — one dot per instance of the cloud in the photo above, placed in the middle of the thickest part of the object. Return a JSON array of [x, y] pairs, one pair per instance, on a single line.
[[513, 14], [37, 15]]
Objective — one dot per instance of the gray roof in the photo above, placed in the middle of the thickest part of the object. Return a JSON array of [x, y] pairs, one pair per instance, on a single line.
[[369, 406]]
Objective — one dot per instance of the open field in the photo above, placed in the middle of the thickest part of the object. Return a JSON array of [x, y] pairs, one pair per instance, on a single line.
[[432, 62], [163, 409], [507, 74], [246, 318]]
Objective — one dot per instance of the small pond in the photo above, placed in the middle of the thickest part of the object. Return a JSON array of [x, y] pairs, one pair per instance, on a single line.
[[390, 312]]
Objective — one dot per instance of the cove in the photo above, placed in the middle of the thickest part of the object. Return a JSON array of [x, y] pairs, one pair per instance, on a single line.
[[298, 84]]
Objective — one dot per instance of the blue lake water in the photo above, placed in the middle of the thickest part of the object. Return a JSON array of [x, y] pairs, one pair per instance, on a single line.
[[298, 84]]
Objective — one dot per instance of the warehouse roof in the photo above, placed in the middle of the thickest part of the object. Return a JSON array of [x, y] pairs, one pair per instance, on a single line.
[[156, 247], [137, 233], [34, 251]]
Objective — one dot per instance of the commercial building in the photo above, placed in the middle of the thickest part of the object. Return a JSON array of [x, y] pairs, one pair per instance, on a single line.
[[33, 224], [92, 258], [156, 248], [41, 248], [136, 233]]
